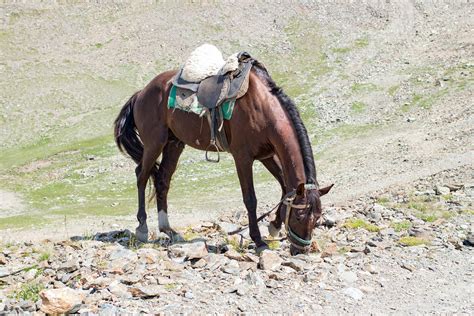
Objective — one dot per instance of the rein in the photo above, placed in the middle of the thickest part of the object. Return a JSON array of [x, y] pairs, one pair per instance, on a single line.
[[287, 200]]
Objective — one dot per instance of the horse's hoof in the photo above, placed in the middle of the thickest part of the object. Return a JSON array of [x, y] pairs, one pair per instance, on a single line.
[[261, 248], [173, 235], [142, 235], [273, 231]]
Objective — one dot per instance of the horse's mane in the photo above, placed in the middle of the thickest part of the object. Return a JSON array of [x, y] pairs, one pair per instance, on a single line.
[[294, 115]]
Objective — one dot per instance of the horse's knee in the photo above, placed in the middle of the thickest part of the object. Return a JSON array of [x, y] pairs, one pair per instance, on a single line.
[[250, 202]]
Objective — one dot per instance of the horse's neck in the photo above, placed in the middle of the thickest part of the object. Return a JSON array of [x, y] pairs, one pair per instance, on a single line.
[[291, 159]]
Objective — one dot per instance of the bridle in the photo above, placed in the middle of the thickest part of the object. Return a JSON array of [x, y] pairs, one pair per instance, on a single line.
[[295, 240]]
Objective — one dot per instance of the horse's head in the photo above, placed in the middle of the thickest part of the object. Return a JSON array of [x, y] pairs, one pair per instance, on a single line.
[[302, 211]]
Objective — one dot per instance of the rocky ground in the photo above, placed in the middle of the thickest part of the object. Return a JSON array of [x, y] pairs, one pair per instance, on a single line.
[[401, 250], [385, 90]]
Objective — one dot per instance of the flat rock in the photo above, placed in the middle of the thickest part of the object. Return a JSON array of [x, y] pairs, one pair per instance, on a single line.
[[147, 291], [353, 293], [442, 190], [296, 264], [329, 250], [227, 227], [269, 260], [192, 250], [149, 255], [60, 301], [123, 253], [348, 277], [119, 289]]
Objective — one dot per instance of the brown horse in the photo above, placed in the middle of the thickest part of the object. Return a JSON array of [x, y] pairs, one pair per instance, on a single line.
[[265, 126]]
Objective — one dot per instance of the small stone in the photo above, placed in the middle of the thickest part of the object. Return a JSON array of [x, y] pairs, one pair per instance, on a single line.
[[269, 260], [60, 301], [370, 268], [348, 277], [201, 263], [408, 267], [69, 266], [354, 293], [189, 295], [30, 275], [233, 254], [441, 190], [147, 291], [3, 260], [367, 289], [330, 250], [119, 289], [469, 241], [242, 289], [296, 264]]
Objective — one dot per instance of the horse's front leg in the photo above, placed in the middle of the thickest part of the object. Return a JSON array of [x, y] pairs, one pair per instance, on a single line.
[[244, 171], [169, 162], [273, 165]]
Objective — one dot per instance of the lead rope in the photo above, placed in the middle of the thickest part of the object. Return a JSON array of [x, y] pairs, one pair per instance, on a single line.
[[241, 228]]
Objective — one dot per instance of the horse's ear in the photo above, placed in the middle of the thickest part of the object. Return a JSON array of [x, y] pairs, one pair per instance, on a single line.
[[325, 190], [300, 189]]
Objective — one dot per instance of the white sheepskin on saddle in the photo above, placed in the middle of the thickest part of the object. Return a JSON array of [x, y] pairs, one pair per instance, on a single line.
[[204, 61]]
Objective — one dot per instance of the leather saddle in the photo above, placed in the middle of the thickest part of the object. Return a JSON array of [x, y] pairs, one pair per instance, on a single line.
[[214, 90]]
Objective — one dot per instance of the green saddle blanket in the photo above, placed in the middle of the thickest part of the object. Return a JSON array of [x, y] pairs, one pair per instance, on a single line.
[[227, 107]]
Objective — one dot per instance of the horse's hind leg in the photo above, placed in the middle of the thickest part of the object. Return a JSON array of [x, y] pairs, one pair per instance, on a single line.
[[152, 151], [273, 165], [169, 162]]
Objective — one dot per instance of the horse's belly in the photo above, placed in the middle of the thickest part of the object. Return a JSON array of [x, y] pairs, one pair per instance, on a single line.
[[191, 129]]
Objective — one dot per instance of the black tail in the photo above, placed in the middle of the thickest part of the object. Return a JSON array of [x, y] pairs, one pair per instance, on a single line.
[[126, 134]]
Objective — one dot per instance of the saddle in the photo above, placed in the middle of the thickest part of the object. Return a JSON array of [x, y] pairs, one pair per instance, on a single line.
[[216, 94]]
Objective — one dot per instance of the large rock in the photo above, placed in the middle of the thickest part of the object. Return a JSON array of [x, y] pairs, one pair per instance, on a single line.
[[150, 255], [192, 250], [60, 301], [227, 227], [442, 190], [119, 289], [269, 260]]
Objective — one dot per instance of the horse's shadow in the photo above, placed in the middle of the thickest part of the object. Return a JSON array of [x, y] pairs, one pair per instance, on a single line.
[[128, 240]]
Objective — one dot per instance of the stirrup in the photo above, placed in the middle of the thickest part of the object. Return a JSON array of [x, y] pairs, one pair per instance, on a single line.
[[213, 144]]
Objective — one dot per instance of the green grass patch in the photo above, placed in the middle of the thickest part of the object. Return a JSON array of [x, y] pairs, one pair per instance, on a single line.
[[361, 42], [274, 244], [413, 241], [363, 87], [238, 246], [22, 221], [44, 256], [383, 200], [358, 107], [401, 226], [189, 234], [357, 223], [170, 286], [393, 89], [341, 50], [29, 292]]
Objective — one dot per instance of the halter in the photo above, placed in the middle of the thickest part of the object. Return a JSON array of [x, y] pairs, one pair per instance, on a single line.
[[294, 239]]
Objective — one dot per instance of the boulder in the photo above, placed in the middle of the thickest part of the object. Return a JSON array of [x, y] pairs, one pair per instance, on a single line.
[[269, 260], [60, 301]]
